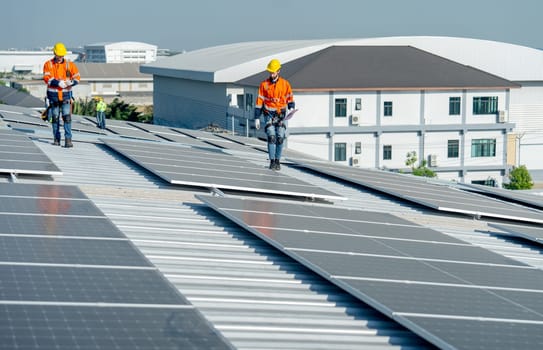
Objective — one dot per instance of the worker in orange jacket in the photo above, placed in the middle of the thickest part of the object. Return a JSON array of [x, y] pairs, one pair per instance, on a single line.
[[60, 75], [274, 98]]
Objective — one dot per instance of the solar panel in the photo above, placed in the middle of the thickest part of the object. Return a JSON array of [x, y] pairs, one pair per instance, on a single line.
[[530, 232], [124, 129], [412, 279], [215, 140], [416, 190], [518, 196], [19, 155], [104, 327], [22, 118], [72, 280], [213, 169]]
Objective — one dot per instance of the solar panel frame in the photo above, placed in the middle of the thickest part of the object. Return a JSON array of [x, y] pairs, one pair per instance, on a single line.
[[19, 155], [498, 292], [517, 196], [532, 233], [426, 194], [214, 169]]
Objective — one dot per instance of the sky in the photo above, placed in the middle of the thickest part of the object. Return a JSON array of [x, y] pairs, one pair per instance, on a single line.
[[186, 25]]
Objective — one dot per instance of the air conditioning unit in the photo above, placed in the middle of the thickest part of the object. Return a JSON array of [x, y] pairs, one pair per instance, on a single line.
[[432, 160], [355, 119], [502, 116], [357, 161]]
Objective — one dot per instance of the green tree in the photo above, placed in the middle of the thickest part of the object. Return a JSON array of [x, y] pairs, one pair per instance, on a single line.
[[519, 179], [422, 169]]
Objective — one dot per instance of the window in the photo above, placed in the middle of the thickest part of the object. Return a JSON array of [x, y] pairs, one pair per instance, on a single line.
[[483, 148], [341, 107], [452, 148], [387, 108], [340, 152], [454, 105], [248, 102], [358, 104], [387, 152], [485, 105], [240, 100], [357, 147]]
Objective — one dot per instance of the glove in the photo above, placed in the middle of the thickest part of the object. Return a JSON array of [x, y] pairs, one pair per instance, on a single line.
[[258, 112], [62, 84], [70, 83], [257, 124], [291, 105]]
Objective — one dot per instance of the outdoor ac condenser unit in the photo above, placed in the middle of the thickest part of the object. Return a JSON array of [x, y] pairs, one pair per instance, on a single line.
[[502, 116], [355, 119], [432, 160], [357, 160]]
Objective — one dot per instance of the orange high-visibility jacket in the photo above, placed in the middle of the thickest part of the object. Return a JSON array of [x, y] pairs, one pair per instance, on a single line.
[[274, 96], [64, 70]]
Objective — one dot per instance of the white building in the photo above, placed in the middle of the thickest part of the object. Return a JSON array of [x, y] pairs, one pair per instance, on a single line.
[[27, 62], [214, 84], [120, 52]]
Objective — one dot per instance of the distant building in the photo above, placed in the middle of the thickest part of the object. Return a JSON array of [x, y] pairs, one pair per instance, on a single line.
[[120, 52], [27, 62], [461, 119], [122, 80]]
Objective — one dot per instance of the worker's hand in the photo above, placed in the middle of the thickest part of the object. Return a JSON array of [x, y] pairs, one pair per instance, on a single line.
[[62, 84], [257, 124], [70, 83]]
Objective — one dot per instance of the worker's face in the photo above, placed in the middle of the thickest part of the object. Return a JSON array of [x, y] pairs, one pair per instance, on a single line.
[[274, 75], [59, 58]]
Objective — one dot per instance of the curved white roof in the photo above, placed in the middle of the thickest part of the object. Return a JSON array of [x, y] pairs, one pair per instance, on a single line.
[[228, 63]]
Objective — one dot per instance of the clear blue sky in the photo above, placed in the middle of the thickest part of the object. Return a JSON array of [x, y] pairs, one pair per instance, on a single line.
[[193, 24]]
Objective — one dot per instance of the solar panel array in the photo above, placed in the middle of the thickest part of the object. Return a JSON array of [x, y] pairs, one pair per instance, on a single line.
[[453, 294], [72, 280], [416, 190], [529, 232], [19, 155], [213, 168], [521, 197]]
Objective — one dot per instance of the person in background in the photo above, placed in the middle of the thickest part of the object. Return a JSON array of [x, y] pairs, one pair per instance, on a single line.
[[274, 98], [101, 113], [60, 75]]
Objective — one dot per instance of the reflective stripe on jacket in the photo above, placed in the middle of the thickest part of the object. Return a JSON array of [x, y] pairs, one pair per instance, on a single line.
[[274, 96], [64, 70]]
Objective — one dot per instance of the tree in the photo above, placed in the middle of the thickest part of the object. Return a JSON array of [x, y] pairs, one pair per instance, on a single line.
[[519, 179], [421, 170]]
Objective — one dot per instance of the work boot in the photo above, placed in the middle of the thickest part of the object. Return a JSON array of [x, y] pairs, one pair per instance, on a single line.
[[68, 143], [56, 142], [272, 164], [277, 165]]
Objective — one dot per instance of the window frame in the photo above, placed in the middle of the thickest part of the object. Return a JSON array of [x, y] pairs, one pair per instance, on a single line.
[[483, 148], [340, 108], [387, 152], [453, 148], [340, 151], [483, 105], [387, 108], [455, 105]]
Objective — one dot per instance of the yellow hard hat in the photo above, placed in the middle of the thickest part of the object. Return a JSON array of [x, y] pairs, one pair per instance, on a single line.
[[59, 49], [273, 66]]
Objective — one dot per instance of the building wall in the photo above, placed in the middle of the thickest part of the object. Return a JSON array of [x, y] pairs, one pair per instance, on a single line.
[[420, 122], [189, 103]]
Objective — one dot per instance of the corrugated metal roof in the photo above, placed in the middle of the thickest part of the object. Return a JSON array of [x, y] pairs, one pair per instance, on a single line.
[[379, 68], [256, 296]]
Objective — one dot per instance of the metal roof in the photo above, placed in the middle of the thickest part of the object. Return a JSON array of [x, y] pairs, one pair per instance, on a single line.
[[232, 62], [255, 296], [380, 68], [112, 71]]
